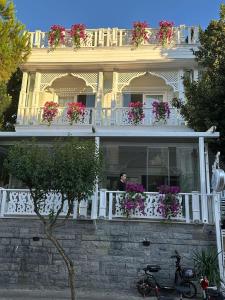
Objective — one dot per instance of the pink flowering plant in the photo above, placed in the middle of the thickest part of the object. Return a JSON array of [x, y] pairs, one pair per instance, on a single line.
[[161, 110], [165, 33], [134, 199], [56, 36], [139, 33], [135, 113], [78, 34], [50, 111], [169, 205], [75, 112]]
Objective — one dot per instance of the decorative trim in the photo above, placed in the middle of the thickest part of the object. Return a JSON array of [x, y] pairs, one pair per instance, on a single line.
[[91, 79], [170, 77]]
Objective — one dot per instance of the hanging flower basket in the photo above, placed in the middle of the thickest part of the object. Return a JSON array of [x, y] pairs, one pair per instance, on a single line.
[[75, 112], [78, 34], [169, 204], [56, 36], [133, 200], [139, 33], [165, 33], [135, 113], [161, 111], [50, 111]]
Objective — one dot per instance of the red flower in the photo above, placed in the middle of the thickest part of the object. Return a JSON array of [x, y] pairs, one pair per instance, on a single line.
[[56, 36], [77, 32], [139, 33], [135, 113], [50, 111], [165, 33], [75, 111]]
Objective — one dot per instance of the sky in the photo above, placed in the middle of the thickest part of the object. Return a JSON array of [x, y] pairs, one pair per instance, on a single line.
[[41, 14]]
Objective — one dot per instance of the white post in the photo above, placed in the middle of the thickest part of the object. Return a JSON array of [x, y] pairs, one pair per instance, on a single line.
[[94, 206], [216, 201], [110, 205], [75, 209], [195, 206], [204, 204], [102, 204], [207, 169], [3, 203], [181, 84], [187, 208], [83, 208]]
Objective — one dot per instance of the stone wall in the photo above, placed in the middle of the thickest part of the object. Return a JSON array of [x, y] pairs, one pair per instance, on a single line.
[[107, 255]]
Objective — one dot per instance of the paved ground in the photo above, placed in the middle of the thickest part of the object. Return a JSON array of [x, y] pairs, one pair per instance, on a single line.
[[7, 294]]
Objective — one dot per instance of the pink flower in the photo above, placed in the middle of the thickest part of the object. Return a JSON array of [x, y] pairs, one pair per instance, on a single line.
[[50, 111], [135, 113], [56, 36], [75, 111], [77, 32], [139, 33], [165, 33]]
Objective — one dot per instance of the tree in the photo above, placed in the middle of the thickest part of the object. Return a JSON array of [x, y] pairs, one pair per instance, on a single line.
[[205, 105], [14, 50], [14, 45], [13, 90], [67, 168]]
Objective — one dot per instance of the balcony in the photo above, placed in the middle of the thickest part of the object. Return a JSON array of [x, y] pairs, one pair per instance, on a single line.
[[105, 117], [115, 37], [195, 207]]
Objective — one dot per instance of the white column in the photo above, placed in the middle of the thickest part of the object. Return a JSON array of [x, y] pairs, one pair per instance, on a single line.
[[37, 86], [204, 205], [207, 169], [22, 99], [94, 207], [195, 73], [102, 204], [216, 201], [181, 84], [100, 86]]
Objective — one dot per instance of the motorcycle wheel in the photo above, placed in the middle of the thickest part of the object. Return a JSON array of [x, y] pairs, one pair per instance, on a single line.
[[143, 287], [190, 291]]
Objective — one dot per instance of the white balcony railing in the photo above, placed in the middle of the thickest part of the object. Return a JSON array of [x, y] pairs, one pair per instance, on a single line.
[[117, 116], [110, 37], [107, 204]]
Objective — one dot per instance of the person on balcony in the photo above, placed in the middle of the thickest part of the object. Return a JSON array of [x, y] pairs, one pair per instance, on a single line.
[[121, 185]]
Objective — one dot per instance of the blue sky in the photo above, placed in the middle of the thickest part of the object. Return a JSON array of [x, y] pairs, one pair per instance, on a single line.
[[41, 14]]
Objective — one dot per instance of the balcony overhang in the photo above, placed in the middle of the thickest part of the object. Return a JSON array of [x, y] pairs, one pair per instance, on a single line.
[[89, 131]]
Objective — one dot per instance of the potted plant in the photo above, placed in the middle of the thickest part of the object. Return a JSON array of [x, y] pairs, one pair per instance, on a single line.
[[56, 36], [165, 33], [206, 265], [169, 205], [50, 111], [176, 103], [161, 111], [139, 33], [77, 32], [75, 112], [134, 199], [135, 113]]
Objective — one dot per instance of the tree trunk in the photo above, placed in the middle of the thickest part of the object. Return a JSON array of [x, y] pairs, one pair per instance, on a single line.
[[68, 261]]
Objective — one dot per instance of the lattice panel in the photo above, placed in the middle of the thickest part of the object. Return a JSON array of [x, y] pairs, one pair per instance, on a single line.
[[91, 79], [151, 207], [170, 77], [47, 78], [124, 79]]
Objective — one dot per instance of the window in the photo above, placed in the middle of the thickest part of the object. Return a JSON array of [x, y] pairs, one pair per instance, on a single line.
[[88, 100], [127, 98], [149, 99], [63, 100]]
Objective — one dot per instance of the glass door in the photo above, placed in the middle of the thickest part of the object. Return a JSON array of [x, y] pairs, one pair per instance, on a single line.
[[157, 168]]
